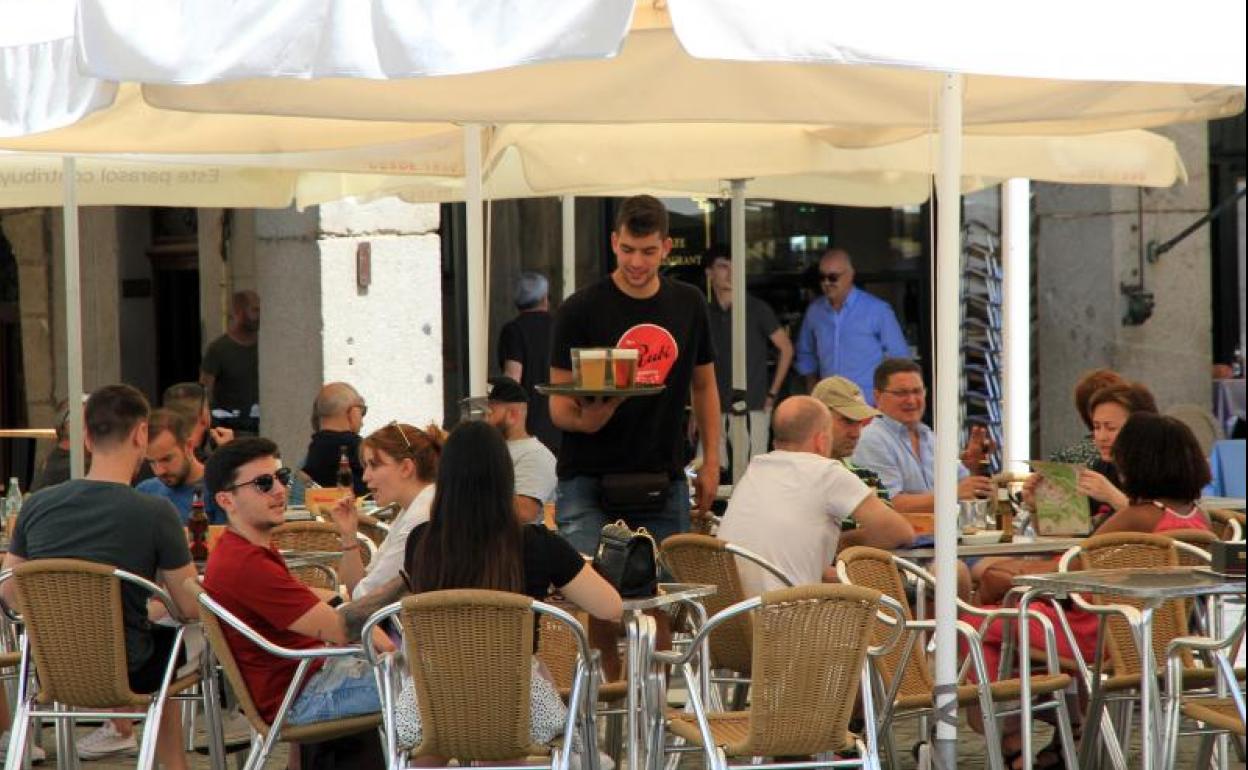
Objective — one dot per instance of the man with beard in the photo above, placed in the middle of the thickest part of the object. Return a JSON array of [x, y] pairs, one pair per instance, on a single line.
[[533, 462], [177, 474], [230, 369]]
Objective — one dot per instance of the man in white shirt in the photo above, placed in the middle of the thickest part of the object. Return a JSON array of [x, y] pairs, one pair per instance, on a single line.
[[789, 505], [533, 462]]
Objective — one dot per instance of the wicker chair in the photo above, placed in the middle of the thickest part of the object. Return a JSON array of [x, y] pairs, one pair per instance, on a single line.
[[706, 560], [266, 734], [1130, 550], [373, 529], [558, 649], [902, 674], [809, 658], [470, 653], [311, 536], [1228, 525], [75, 641], [1223, 712]]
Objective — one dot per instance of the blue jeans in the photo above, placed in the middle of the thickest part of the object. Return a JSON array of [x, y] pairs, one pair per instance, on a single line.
[[344, 687], [579, 514]]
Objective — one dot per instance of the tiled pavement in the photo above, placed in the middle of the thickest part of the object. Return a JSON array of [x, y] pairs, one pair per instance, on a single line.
[[970, 752]]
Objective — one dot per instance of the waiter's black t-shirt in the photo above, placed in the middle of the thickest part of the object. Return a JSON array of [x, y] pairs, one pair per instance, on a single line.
[[526, 339], [672, 333]]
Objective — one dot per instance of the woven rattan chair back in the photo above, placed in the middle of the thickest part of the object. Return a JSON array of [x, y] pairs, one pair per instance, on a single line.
[[1201, 538], [1136, 550], [556, 647], [308, 536], [874, 568], [470, 654], [1221, 520], [214, 632], [705, 560], [72, 612], [373, 529], [809, 646]]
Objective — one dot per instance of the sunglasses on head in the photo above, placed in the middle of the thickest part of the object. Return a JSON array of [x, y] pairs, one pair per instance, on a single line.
[[830, 277], [264, 482]]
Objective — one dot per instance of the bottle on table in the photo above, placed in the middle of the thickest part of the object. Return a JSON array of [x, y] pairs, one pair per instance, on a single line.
[[12, 506], [1005, 513], [197, 527], [344, 478]]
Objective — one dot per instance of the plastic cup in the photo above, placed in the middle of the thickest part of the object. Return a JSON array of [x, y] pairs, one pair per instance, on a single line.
[[592, 371], [624, 366]]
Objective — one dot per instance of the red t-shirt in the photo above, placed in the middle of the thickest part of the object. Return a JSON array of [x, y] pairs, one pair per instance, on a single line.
[[256, 586]]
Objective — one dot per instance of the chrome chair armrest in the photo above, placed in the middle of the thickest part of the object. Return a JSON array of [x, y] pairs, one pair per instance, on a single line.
[[282, 652]]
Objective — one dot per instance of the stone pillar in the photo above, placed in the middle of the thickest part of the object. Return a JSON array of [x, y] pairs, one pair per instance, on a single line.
[[318, 325], [101, 292], [213, 280], [1088, 242]]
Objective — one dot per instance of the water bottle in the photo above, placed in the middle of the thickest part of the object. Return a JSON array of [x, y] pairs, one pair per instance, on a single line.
[[12, 504]]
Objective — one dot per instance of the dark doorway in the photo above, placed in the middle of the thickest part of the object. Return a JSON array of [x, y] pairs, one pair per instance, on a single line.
[[16, 455], [174, 255]]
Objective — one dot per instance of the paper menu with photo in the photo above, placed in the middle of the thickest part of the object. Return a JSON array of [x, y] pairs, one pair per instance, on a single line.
[[1060, 508]]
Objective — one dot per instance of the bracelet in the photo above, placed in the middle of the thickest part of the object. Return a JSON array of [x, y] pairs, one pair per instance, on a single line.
[[353, 547]]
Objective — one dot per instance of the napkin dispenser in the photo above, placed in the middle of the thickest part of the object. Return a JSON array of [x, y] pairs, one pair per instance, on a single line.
[[1227, 558]]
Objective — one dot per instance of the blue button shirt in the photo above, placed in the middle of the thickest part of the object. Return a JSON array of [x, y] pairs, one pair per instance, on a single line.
[[182, 497], [885, 448], [851, 341]]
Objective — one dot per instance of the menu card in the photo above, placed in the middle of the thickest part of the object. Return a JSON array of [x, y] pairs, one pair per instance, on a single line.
[[1061, 510]]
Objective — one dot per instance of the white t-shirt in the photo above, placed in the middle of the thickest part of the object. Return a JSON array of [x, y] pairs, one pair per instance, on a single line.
[[386, 564], [788, 509], [535, 469]]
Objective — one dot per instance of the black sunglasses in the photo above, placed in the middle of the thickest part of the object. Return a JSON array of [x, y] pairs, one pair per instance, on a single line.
[[830, 277], [264, 482]]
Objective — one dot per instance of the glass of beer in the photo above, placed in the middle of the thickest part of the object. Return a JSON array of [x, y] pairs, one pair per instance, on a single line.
[[589, 368], [624, 366]]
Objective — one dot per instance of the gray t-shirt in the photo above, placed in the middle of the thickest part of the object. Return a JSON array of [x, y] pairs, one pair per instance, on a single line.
[[535, 469], [236, 372], [108, 523], [760, 324]]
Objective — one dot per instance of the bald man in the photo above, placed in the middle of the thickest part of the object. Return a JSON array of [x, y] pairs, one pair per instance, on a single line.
[[339, 412], [230, 369], [789, 505]]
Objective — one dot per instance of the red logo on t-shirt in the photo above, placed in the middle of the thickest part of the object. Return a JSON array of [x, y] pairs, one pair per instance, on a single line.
[[659, 352]]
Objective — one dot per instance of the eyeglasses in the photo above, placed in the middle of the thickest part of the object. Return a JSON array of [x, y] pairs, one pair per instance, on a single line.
[[830, 277], [395, 424], [264, 482], [912, 392], [363, 407]]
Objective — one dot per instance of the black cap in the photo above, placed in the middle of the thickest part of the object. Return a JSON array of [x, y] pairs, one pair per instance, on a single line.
[[507, 391]]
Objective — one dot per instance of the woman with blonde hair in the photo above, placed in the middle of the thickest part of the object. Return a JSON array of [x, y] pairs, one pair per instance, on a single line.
[[400, 467]]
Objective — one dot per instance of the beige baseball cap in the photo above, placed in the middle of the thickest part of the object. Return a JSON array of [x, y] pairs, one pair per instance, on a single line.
[[845, 398]]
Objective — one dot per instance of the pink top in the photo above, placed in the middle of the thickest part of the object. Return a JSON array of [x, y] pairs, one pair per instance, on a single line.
[[1171, 519]]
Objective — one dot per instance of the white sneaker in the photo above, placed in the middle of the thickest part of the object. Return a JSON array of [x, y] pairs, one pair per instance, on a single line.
[[37, 754], [106, 742]]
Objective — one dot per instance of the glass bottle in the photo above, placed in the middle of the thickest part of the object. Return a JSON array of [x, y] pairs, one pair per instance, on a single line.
[[344, 478], [197, 527]]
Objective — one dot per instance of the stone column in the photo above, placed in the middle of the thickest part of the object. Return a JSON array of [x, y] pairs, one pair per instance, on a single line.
[[1088, 242], [101, 293], [213, 280], [318, 325]]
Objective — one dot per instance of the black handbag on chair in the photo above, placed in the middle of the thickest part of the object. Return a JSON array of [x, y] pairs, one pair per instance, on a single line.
[[628, 560]]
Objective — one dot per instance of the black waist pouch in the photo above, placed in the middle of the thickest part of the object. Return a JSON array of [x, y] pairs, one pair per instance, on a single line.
[[634, 492]]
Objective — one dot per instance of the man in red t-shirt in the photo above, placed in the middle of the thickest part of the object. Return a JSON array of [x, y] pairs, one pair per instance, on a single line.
[[249, 577]]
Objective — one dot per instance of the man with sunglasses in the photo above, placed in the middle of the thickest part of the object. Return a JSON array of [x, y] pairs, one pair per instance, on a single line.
[[100, 518], [249, 577], [339, 412], [847, 331], [191, 399]]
